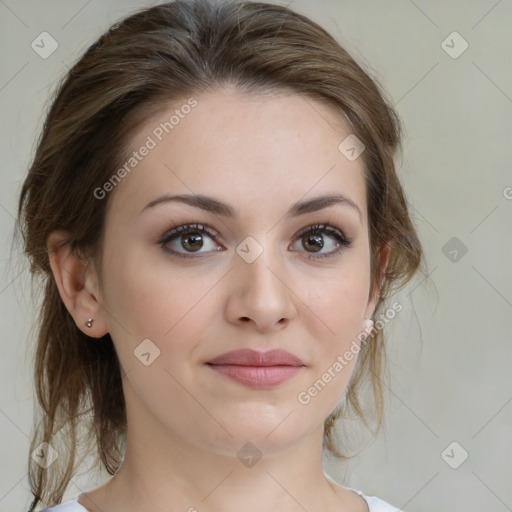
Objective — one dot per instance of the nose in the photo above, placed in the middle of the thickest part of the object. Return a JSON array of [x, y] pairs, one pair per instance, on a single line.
[[261, 292]]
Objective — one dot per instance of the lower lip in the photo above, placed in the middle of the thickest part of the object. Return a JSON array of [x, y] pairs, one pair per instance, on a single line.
[[260, 377]]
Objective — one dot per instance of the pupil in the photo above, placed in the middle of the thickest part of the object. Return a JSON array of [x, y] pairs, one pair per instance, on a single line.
[[195, 239], [311, 239]]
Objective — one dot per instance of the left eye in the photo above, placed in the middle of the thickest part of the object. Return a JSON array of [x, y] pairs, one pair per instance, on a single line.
[[314, 236], [191, 239]]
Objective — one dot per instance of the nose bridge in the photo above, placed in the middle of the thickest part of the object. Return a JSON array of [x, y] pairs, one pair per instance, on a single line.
[[259, 261], [261, 291]]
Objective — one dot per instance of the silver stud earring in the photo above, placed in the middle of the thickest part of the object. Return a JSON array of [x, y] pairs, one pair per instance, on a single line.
[[89, 322], [368, 324]]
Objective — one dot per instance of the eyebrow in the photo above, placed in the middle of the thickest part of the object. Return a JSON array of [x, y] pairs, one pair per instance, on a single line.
[[217, 207]]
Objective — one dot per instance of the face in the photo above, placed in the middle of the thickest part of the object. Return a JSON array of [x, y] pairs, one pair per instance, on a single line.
[[253, 274]]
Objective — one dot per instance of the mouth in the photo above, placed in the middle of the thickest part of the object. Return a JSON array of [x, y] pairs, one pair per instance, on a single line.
[[260, 370]]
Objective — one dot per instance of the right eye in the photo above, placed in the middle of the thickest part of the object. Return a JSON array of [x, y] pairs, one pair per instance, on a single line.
[[188, 237]]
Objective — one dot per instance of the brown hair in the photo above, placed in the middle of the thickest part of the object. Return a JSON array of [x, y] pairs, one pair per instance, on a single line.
[[154, 56]]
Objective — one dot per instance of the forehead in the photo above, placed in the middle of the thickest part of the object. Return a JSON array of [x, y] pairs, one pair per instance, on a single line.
[[254, 151]]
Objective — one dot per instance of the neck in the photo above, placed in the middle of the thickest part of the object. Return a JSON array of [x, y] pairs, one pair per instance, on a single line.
[[165, 471], [174, 475]]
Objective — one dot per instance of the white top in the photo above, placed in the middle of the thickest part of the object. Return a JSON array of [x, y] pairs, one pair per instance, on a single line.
[[374, 504]]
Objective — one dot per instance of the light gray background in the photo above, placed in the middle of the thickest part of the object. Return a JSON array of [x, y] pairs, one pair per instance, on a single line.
[[450, 348]]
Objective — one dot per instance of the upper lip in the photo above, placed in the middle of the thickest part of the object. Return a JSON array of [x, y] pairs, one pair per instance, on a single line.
[[249, 357]]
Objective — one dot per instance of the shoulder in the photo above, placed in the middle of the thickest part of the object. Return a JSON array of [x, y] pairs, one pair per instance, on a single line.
[[68, 506], [376, 504]]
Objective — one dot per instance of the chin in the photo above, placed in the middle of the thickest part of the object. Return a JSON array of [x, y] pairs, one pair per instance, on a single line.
[[248, 449], [266, 437]]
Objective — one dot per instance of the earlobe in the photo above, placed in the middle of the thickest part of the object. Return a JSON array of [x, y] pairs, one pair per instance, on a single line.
[[368, 321], [73, 276]]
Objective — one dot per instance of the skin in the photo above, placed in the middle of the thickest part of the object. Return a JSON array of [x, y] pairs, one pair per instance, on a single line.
[[186, 423]]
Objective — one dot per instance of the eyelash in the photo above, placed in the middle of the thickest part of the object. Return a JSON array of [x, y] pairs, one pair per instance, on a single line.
[[316, 229]]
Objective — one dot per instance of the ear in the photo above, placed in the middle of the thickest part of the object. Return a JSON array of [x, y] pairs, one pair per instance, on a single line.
[[77, 282], [383, 263]]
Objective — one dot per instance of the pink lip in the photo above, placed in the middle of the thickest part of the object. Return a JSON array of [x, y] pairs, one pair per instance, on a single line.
[[257, 369]]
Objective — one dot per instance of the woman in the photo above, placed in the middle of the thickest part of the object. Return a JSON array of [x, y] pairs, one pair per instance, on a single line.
[[214, 206]]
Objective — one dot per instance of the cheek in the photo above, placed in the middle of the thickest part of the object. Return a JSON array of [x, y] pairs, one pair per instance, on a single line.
[[338, 305], [151, 300], [164, 311], [335, 314]]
